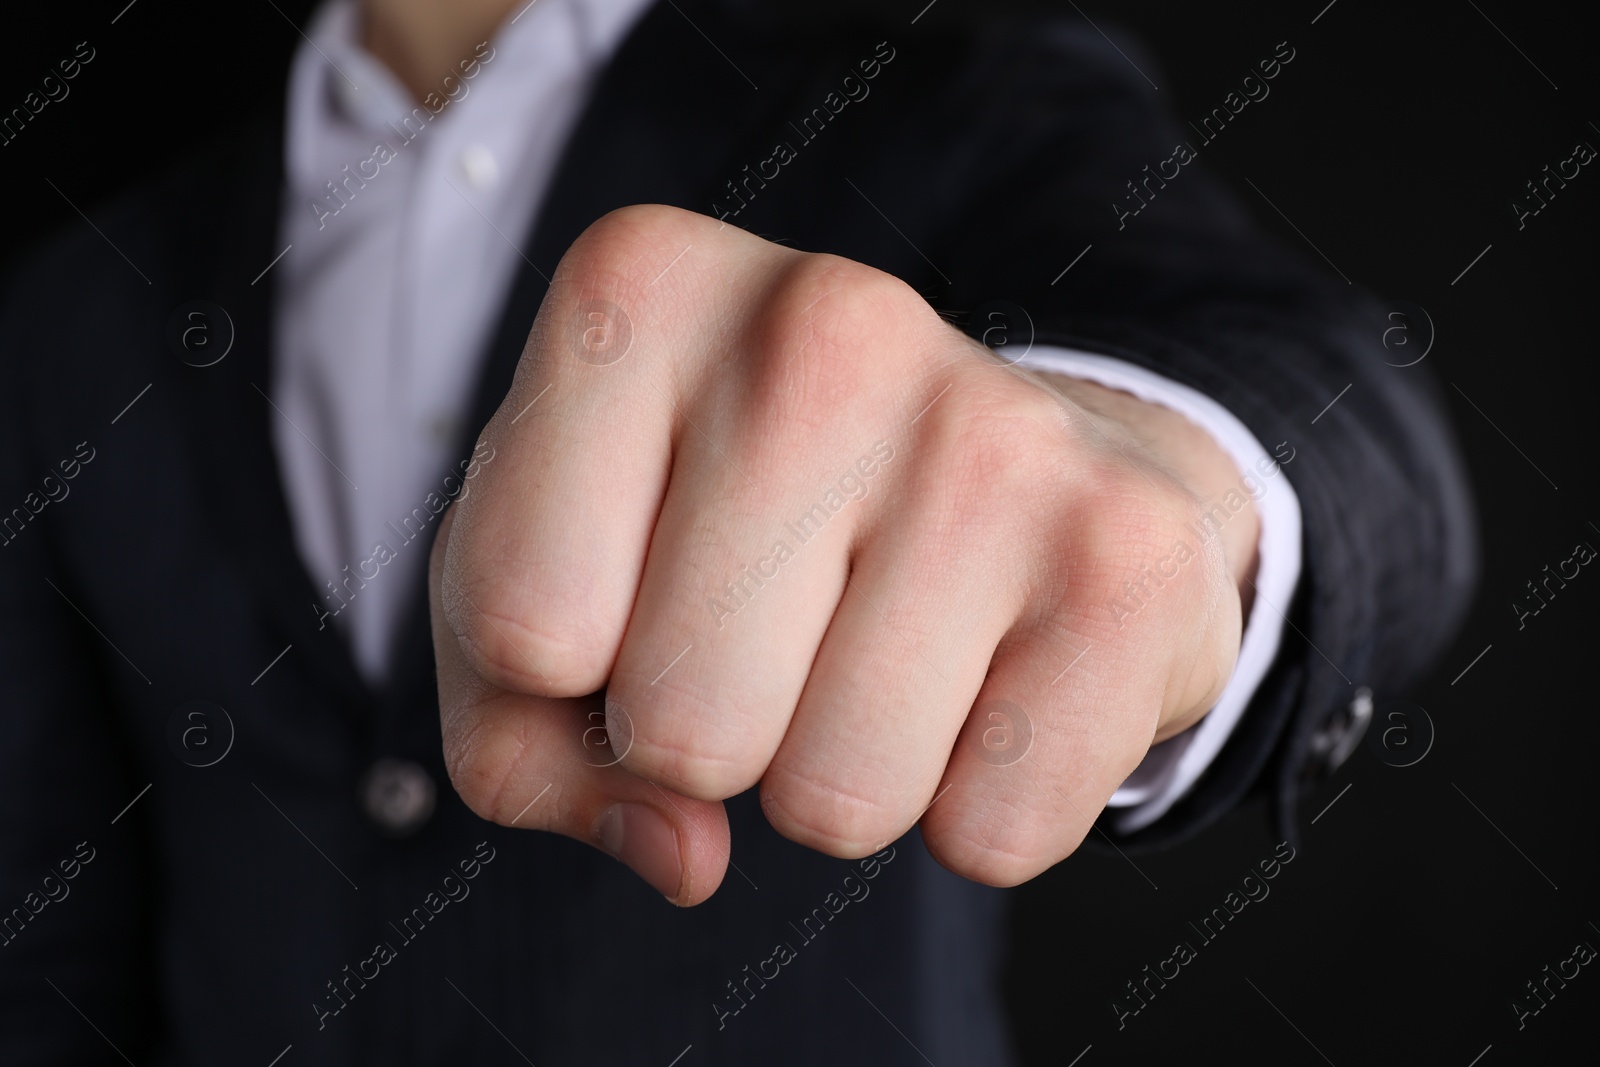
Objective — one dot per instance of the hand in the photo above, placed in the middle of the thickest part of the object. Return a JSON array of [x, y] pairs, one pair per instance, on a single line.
[[804, 533]]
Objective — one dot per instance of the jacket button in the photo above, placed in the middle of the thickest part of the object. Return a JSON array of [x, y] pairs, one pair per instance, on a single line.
[[398, 796], [1332, 744]]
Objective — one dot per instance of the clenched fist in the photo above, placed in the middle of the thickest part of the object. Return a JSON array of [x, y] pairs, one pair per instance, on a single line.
[[766, 518]]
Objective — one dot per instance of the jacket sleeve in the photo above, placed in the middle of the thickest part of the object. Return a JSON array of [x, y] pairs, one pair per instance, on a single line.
[[1168, 272]]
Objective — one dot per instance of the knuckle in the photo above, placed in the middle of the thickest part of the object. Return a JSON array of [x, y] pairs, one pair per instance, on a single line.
[[822, 327], [612, 243], [810, 334], [1005, 440], [997, 848], [507, 648], [687, 770], [678, 750], [615, 259], [827, 816], [1001, 452], [481, 756], [1202, 686], [841, 298], [1137, 505], [1136, 538]]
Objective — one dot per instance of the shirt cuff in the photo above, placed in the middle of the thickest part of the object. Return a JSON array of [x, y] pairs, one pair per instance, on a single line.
[[1172, 767]]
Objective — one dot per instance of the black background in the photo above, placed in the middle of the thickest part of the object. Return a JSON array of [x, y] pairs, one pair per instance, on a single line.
[[1395, 142]]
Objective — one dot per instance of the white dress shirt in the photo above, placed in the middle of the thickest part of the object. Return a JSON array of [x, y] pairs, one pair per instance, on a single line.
[[403, 223]]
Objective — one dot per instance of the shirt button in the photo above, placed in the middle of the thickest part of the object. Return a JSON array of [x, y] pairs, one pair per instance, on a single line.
[[478, 164], [398, 796], [442, 430], [351, 99]]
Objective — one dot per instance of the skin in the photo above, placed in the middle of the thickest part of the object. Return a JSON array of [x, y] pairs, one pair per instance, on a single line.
[[640, 468], [421, 41], [651, 449]]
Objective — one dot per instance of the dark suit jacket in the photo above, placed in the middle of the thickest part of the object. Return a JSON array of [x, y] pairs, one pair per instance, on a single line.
[[222, 906]]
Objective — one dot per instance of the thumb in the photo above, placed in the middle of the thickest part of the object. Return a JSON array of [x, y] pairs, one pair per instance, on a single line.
[[546, 763]]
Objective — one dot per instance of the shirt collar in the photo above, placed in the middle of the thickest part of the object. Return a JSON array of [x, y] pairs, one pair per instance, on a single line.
[[336, 83]]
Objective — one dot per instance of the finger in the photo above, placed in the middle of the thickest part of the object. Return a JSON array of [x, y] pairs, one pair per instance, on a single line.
[[557, 527], [1072, 704], [904, 658], [541, 763], [752, 549], [731, 610]]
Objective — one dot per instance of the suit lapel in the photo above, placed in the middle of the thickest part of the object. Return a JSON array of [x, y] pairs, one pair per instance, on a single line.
[[234, 238]]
